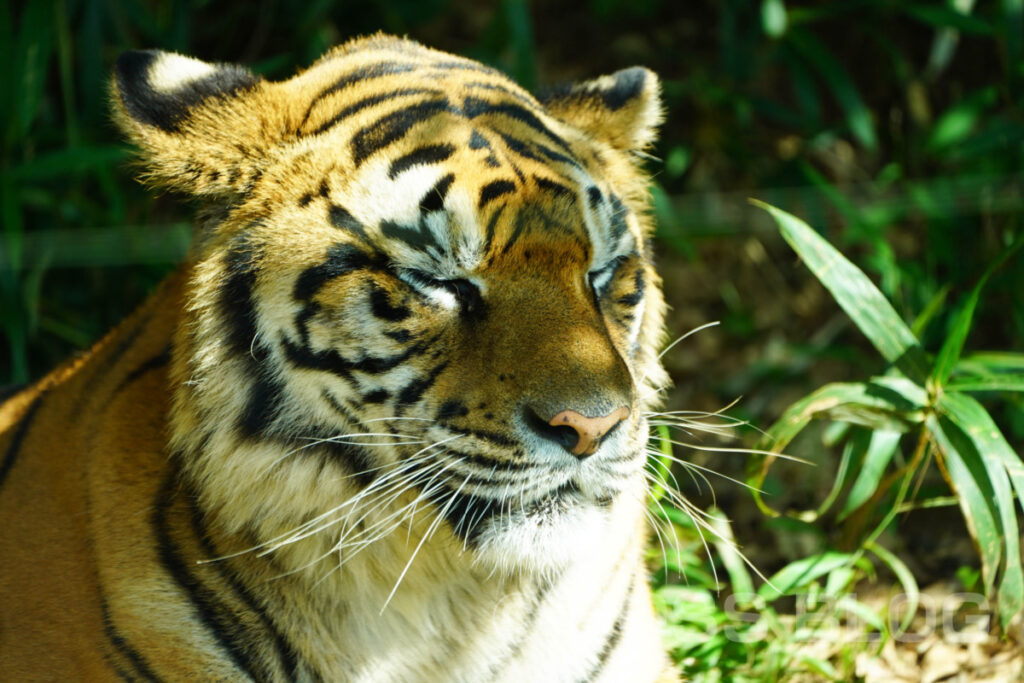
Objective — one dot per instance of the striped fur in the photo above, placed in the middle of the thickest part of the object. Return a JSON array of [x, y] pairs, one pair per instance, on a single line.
[[321, 450]]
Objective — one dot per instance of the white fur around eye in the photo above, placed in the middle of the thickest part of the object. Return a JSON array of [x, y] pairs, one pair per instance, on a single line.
[[172, 71]]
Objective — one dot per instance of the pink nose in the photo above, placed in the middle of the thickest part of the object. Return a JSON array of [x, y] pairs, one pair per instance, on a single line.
[[589, 430]]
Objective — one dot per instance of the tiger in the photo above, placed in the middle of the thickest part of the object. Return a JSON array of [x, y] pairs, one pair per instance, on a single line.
[[386, 421]]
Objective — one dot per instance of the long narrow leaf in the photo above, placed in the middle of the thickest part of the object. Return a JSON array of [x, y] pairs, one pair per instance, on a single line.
[[969, 479], [880, 451], [954, 344], [1004, 467], [856, 294]]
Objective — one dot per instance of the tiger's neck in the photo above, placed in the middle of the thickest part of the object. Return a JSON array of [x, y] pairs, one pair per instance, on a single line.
[[398, 609]]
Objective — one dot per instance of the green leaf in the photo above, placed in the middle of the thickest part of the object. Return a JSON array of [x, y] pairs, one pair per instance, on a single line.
[[796, 575], [957, 335], [1004, 467], [969, 479], [881, 448], [739, 578], [856, 294], [998, 383], [906, 579]]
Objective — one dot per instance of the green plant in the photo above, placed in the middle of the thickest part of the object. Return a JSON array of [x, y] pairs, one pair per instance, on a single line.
[[929, 399]]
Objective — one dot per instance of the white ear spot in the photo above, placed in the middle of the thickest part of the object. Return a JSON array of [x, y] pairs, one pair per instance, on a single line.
[[170, 72]]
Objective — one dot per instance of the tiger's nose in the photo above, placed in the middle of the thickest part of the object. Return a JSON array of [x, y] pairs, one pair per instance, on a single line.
[[579, 434]]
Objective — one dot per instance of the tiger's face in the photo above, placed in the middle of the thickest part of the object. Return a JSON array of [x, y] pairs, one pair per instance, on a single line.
[[424, 300]]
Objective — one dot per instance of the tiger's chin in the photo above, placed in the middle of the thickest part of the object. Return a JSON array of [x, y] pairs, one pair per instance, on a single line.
[[546, 535]]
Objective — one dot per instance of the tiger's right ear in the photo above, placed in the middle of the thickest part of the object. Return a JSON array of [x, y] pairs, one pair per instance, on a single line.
[[201, 127]]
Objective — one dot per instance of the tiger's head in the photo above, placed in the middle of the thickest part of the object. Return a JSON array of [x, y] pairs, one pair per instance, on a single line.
[[420, 299]]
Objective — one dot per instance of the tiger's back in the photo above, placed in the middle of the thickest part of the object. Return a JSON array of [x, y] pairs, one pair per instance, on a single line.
[[386, 423]]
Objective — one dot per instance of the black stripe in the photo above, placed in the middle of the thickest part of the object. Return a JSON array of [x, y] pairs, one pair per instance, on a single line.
[[333, 362], [433, 200], [415, 389], [218, 619], [594, 196], [393, 127], [474, 106], [235, 301], [497, 87], [121, 644], [340, 218], [19, 436], [493, 190], [618, 220], [465, 513], [477, 141], [266, 394], [526, 629], [613, 638], [158, 361], [558, 189], [493, 437], [352, 456], [369, 102], [487, 463], [286, 653], [428, 154], [634, 297], [492, 226], [341, 259], [376, 396], [419, 237], [377, 70], [452, 408], [380, 306], [520, 147]]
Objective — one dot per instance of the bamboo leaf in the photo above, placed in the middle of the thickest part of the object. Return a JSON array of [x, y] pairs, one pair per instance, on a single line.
[[880, 450], [1004, 468], [856, 294], [906, 579], [969, 478], [798, 574]]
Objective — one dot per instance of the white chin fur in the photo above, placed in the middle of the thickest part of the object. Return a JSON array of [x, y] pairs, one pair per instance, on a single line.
[[542, 542]]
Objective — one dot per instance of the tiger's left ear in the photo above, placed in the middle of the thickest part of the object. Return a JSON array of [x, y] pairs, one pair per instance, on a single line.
[[203, 129], [622, 109]]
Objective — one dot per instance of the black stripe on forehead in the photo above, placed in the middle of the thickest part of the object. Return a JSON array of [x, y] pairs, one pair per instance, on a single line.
[[363, 73], [393, 127], [428, 154], [558, 189], [370, 101], [473, 107], [534, 218], [493, 190]]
